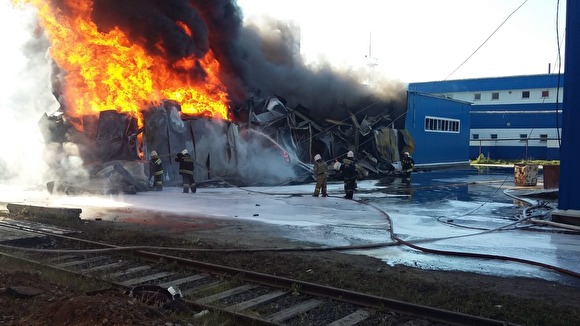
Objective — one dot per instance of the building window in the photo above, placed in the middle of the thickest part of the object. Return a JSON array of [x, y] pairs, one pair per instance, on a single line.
[[525, 94], [477, 97], [493, 136], [545, 94], [543, 137], [495, 96], [523, 137], [442, 124], [475, 136]]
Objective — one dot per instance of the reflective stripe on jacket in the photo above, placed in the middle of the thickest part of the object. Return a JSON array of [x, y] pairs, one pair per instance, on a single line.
[[185, 163]]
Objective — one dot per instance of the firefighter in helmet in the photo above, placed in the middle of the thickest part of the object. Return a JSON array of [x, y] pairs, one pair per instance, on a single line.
[[156, 171], [407, 165], [186, 168], [348, 170], [321, 173]]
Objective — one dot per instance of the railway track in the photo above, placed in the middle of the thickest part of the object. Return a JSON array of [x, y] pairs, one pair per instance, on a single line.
[[249, 298]]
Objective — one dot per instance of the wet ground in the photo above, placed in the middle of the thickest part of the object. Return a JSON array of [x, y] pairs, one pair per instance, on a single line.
[[479, 211], [460, 219]]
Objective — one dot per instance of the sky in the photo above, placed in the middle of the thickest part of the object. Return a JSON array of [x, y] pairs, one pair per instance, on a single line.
[[425, 40]]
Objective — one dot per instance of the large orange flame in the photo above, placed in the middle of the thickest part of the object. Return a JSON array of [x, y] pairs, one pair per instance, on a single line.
[[105, 71]]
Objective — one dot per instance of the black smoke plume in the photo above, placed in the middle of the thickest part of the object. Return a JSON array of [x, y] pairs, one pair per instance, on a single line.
[[256, 60]]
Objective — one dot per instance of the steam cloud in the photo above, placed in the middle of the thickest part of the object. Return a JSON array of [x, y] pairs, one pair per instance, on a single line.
[[25, 93]]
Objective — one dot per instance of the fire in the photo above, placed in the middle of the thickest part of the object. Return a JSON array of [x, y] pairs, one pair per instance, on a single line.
[[105, 71]]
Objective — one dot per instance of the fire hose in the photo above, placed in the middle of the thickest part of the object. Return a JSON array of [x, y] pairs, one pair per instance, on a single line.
[[396, 242]]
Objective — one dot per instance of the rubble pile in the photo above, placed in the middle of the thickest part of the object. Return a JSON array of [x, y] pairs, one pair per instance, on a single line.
[[374, 139], [271, 144]]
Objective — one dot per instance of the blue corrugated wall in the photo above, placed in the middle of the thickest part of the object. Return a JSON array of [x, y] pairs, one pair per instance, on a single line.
[[437, 147], [509, 120], [568, 197]]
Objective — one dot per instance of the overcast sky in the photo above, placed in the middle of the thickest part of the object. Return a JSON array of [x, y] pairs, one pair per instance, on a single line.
[[425, 40]]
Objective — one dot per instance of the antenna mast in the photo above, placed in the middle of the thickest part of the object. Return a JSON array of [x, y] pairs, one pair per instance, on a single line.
[[371, 62]]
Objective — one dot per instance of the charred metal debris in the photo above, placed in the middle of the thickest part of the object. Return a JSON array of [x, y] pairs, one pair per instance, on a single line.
[[268, 144]]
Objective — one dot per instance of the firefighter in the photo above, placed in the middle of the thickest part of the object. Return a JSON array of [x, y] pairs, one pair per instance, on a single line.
[[407, 165], [186, 166], [321, 172], [348, 170], [156, 171]]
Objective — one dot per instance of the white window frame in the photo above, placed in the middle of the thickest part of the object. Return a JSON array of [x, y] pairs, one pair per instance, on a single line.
[[440, 124]]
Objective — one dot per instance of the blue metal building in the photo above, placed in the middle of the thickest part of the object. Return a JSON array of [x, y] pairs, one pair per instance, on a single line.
[[440, 129], [512, 118], [498, 97], [568, 203]]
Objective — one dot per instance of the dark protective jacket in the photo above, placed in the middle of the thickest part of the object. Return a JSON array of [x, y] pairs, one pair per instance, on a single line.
[[185, 163], [407, 164], [348, 169], [155, 167]]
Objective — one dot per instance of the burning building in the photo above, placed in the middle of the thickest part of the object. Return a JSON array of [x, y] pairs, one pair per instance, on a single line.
[[139, 75]]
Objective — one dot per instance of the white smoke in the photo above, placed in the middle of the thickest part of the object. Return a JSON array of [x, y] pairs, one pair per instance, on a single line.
[[226, 151], [264, 162], [26, 85], [25, 92]]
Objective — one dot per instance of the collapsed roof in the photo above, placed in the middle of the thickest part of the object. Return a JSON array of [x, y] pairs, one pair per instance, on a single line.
[[272, 144]]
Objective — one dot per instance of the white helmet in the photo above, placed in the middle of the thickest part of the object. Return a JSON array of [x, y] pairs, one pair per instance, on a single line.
[[317, 157], [153, 153], [350, 154], [407, 153], [184, 151]]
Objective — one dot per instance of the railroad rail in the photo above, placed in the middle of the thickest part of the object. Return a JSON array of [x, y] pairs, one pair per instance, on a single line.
[[249, 298]]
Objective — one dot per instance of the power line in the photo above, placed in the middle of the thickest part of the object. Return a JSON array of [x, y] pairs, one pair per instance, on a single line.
[[487, 39]]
